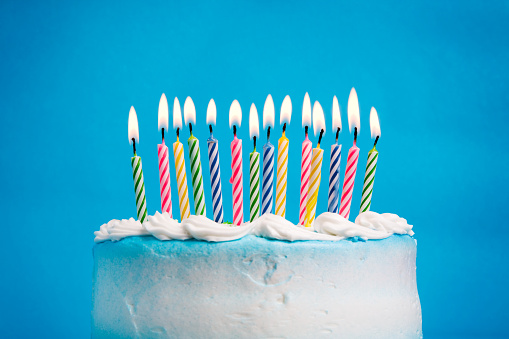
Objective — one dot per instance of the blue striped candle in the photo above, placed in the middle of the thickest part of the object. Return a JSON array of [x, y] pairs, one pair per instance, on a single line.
[[268, 177], [335, 159], [215, 179]]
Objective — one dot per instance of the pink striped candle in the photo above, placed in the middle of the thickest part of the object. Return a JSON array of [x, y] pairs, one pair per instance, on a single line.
[[305, 169], [305, 165], [164, 178], [236, 179], [353, 155], [162, 154], [351, 169]]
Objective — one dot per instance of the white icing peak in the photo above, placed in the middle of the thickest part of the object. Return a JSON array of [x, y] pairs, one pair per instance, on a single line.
[[327, 227]]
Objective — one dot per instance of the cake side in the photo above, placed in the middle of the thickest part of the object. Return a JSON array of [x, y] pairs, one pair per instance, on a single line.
[[256, 287]]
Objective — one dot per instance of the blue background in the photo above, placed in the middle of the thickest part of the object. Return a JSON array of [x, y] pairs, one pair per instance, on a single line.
[[437, 72]]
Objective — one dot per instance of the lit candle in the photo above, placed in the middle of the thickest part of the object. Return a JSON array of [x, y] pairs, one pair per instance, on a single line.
[[215, 172], [180, 164], [282, 158], [139, 185], [254, 166], [353, 155], [335, 160], [162, 154], [236, 179], [369, 178], [268, 157], [316, 164], [194, 158], [305, 165]]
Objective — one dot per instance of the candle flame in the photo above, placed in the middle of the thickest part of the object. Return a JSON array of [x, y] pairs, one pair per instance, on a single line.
[[268, 112], [374, 123], [285, 115], [306, 111], [235, 114], [318, 118], [254, 124], [336, 115], [354, 119], [189, 111], [162, 116], [177, 114], [211, 112], [132, 127]]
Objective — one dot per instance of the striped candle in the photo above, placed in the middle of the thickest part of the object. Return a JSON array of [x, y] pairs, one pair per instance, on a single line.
[[198, 193], [254, 185], [282, 171], [139, 185], [215, 179], [351, 169], [305, 170], [314, 185], [268, 177], [305, 163], [139, 188], [162, 155], [236, 181], [353, 155], [335, 159], [180, 169], [316, 165], [164, 178], [369, 180]]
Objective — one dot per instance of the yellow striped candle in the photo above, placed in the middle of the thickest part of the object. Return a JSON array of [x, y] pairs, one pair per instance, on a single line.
[[282, 171], [282, 158], [180, 170], [314, 184], [316, 165], [180, 164]]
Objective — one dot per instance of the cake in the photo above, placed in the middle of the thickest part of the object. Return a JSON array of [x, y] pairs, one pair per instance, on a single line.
[[266, 279]]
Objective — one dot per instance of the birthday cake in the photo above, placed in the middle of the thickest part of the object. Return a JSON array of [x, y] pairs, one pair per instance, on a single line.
[[265, 279]]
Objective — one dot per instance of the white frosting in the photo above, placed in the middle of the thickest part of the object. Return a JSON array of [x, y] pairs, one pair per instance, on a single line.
[[386, 222], [119, 229], [327, 226]]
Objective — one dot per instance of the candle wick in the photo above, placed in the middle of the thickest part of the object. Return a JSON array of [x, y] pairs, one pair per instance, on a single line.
[[320, 138], [268, 133], [376, 140], [134, 146], [162, 131], [306, 130], [210, 129], [190, 128], [234, 130], [178, 129], [254, 142], [355, 136], [337, 134]]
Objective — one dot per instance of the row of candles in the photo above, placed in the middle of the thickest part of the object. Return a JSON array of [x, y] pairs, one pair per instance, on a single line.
[[311, 161]]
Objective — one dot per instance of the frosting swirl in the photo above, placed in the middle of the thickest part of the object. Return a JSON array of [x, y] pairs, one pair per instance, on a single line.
[[326, 227]]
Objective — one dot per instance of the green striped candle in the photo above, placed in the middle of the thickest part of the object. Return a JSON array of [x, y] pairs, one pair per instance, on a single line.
[[139, 185], [254, 166], [254, 185], [139, 188], [197, 179], [369, 177]]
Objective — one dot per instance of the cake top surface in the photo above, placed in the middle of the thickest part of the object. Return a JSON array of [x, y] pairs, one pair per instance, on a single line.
[[327, 227]]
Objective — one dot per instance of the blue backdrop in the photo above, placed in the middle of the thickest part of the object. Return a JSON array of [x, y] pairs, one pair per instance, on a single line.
[[436, 71]]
